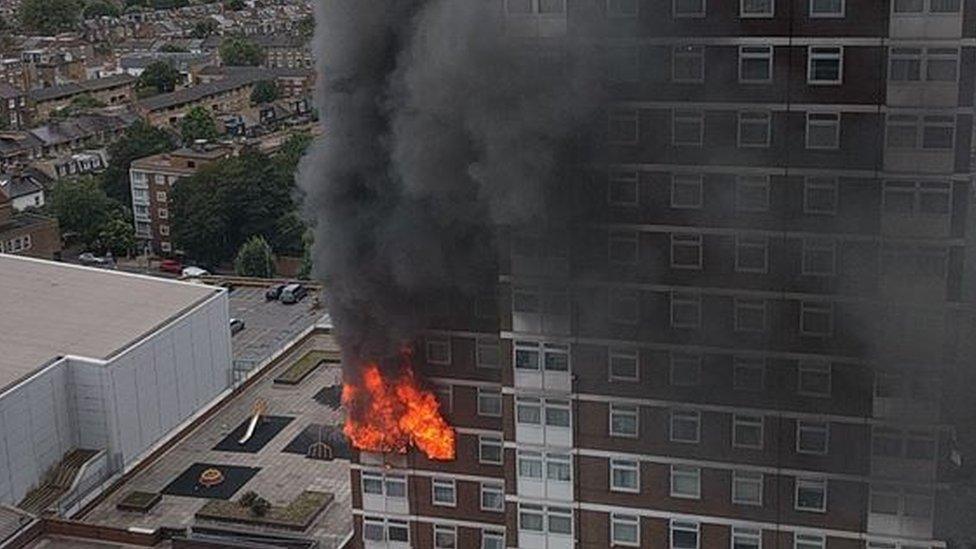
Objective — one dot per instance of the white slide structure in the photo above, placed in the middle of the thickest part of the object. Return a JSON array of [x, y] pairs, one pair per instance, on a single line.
[[256, 411]]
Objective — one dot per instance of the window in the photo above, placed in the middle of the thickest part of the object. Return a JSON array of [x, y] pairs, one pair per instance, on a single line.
[[819, 257], [528, 410], [826, 8], [624, 476], [526, 355], [826, 64], [492, 497], [689, 8], [560, 520], [811, 495], [490, 449], [623, 127], [685, 369], [489, 402], [622, 8], [754, 129], [751, 254], [748, 374], [531, 518], [374, 529], [624, 306], [491, 539], [904, 502], [941, 64], [379, 529], [438, 350], [685, 426], [685, 482], [905, 64], [752, 193], [445, 537], [686, 191], [163, 213], [557, 413], [755, 64], [922, 6], [685, 310], [688, 128], [623, 248], [623, 421], [623, 364], [746, 538], [809, 541], [749, 315], [813, 378], [686, 251], [529, 464], [938, 132], [747, 488], [558, 468], [372, 483], [623, 188], [688, 64], [747, 432], [812, 437], [443, 492], [625, 529], [816, 318], [756, 8], [684, 534], [489, 353], [624, 64], [902, 131], [445, 398], [164, 230], [823, 130], [161, 196], [916, 197]]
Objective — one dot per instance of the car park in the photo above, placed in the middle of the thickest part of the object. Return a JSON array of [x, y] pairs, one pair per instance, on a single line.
[[194, 272], [274, 292], [171, 266]]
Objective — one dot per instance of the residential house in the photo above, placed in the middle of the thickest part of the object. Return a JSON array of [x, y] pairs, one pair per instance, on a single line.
[[27, 233], [111, 90]]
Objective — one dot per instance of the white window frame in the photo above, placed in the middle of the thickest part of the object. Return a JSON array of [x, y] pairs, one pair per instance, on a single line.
[[438, 340], [689, 179], [685, 415], [450, 531], [687, 116], [744, 305], [623, 177], [491, 487], [493, 393], [529, 349], [689, 15], [688, 473], [687, 240], [482, 346], [623, 353], [824, 119], [757, 15], [684, 526], [748, 535], [676, 359], [816, 307], [764, 52], [748, 477], [491, 440], [686, 299], [926, 10], [815, 368], [810, 483], [752, 118], [444, 484], [809, 427], [627, 465], [631, 521], [814, 54], [496, 536], [534, 510], [810, 541], [817, 183], [688, 51], [748, 242], [828, 15], [749, 422], [818, 246], [624, 410]]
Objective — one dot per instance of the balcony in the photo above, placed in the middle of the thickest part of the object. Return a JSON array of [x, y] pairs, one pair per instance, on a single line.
[[926, 24]]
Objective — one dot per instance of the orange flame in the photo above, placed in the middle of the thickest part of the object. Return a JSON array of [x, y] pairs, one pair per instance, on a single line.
[[388, 415]]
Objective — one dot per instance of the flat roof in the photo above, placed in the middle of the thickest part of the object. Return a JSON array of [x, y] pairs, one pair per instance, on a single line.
[[52, 309]]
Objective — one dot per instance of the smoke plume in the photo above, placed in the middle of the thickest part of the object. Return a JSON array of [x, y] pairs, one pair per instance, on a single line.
[[439, 128]]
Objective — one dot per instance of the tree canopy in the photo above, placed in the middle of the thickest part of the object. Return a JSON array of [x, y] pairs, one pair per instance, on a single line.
[[49, 17], [82, 207], [139, 140], [237, 51], [197, 124], [216, 210], [158, 77], [255, 258], [264, 91], [100, 8], [203, 28]]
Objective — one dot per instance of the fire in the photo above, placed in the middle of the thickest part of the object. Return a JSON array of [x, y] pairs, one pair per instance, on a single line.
[[388, 414]]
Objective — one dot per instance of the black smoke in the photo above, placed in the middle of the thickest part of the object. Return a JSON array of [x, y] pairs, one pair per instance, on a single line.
[[441, 126]]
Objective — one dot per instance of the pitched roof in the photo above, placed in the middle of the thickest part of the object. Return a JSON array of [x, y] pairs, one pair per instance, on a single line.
[[75, 88]]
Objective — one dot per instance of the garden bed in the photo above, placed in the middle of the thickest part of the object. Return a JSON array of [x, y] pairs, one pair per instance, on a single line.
[[304, 366], [140, 502], [297, 515]]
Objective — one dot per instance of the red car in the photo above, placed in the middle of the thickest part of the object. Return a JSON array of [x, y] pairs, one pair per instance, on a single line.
[[171, 266]]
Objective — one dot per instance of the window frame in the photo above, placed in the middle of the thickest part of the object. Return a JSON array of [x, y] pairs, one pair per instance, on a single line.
[[688, 51], [757, 15], [695, 358], [684, 526], [757, 51], [685, 299], [816, 307], [748, 477], [679, 116], [813, 55], [443, 483], [689, 240], [810, 483], [491, 440], [489, 392], [695, 179], [689, 15], [754, 115], [812, 426], [751, 422], [812, 121], [623, 177], [828, 15], [626, 353], [750, 242], [688, 415], [688, 473], [816, 367], [491, 487], [628, 410], [627, 465], [812, 246], [632, 520], [437, 340]]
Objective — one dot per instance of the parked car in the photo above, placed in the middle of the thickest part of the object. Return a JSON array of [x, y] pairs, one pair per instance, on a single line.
[[236, 325], [171, 266], [274, 292], [194, 272], [293, 293], [93, 260]]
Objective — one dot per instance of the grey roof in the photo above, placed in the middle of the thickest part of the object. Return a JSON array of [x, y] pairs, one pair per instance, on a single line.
[[278, 40], [179, 60], [63, 131], [75, 88], [261, 73], [54, 309], [20, 185], [15, 143], [196, 93], [9, 92]]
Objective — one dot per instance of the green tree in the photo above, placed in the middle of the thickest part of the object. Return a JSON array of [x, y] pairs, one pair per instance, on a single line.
[[255, 258], [158, 77], [100, 8], [82, 207], [305, 271], [217, 209], [234, 5], [139, 141], [170, 47], [306, 26], [78, 104], [117, 236], [49, 17], [197, 124], [237, 51], [264, 91], [203, 28]]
